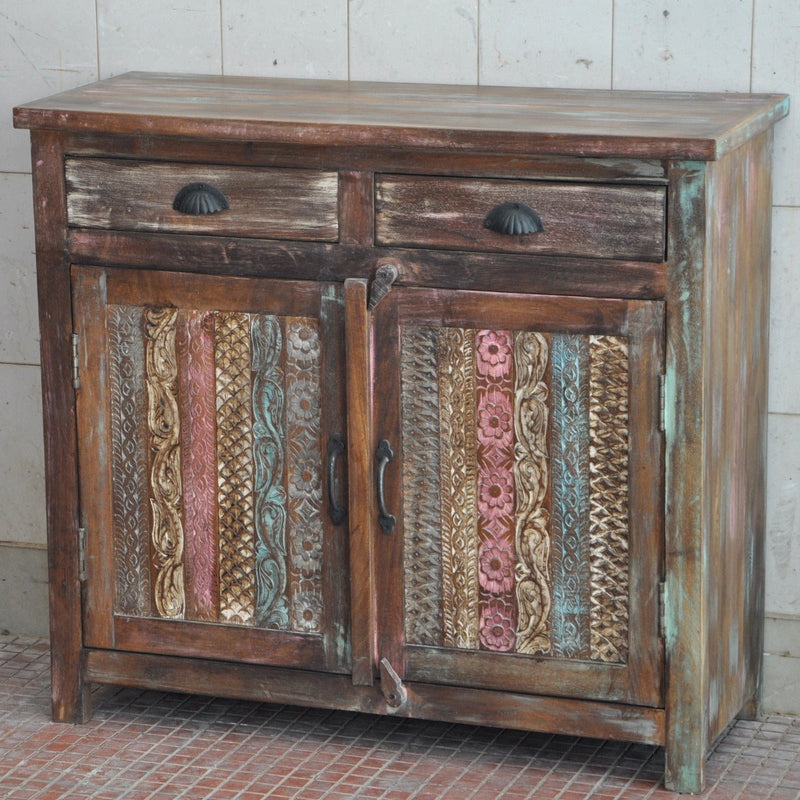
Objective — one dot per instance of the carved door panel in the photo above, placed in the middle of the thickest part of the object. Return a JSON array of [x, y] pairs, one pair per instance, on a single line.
[[526, 481], [206, 410]]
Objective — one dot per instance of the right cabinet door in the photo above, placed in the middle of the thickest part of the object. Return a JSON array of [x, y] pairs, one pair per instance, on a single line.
[[526, 479]]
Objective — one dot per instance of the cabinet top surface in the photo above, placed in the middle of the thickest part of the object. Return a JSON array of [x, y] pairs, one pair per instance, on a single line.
[[341, 113]]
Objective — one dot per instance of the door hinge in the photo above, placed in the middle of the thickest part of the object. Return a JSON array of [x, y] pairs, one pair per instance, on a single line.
[[76, 374], [662, 609], [81, 554], [662, 402]]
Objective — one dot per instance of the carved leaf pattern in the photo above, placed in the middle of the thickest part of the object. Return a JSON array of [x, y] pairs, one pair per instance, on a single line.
[[531, 474], [163, 423], [271, 605]]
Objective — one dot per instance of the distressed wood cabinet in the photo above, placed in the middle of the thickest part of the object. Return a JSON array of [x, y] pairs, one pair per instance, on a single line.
[[443, 402]]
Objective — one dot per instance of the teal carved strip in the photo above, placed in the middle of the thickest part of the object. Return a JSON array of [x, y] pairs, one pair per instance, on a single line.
[[271, 605], [569, 464]]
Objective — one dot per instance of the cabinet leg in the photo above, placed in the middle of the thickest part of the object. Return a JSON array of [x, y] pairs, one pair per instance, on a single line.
[[70, 695], [685, 770]]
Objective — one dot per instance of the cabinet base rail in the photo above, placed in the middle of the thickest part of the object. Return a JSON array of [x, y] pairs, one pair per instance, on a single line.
[[556, 715]]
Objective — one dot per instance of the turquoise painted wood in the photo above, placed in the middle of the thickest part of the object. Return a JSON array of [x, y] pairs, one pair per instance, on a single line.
[[363, 165]]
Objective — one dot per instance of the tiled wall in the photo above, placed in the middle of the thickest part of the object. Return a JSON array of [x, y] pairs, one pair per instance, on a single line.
[[727, 45]]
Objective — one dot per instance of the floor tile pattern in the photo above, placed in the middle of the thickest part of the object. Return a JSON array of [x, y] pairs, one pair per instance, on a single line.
[[142, 745]]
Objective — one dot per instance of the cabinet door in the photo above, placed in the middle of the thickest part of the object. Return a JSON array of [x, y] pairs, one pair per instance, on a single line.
[[207, 409], [525, 477]]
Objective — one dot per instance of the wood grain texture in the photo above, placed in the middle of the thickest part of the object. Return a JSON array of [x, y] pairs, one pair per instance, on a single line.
[[552, 121], [610, 170], [510, 366], [451, 270], [69, 696], [138, 195], [95, 442], [735, 408], [359, 458], [579, 219]]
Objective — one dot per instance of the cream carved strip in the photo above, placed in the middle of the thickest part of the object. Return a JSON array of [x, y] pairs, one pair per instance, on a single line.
[[608, 468], [128, 397], [422, 553], [234, 467], [304, 474], [458, 481], [531, 476], [163, 424]]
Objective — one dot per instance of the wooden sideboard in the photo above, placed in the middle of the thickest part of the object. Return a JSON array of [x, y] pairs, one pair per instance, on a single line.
[[445, 402]]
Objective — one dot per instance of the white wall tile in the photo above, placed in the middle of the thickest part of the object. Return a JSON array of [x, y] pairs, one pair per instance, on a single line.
[[677, 45], [23, 590], [776, 68], [308, 40], [159, 35], [19, 326], [784, 375], [415, 41], [541, 43], [22, 518], [45, 47], [783, 515]]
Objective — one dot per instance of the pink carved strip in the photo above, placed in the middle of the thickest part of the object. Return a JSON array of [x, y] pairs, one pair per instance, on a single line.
[[195, 336], [494, 360]]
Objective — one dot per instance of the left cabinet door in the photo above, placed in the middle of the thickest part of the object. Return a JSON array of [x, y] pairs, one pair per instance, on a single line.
[[210, 424]]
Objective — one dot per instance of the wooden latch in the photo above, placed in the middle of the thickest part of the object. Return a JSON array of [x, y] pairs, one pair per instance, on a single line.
[[392, 685]]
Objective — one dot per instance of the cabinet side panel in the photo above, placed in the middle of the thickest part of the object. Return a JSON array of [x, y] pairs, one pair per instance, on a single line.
[[737, 306], [69, 697], [686, 625]]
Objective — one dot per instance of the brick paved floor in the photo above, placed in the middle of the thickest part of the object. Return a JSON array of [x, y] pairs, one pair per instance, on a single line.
[[142, 745]]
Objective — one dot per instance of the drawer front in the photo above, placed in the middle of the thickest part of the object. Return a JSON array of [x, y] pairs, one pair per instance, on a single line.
[[138, 195], [597, 220]]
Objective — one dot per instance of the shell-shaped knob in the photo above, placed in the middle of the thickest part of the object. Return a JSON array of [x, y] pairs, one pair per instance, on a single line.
[[200, 198], [513, 219]]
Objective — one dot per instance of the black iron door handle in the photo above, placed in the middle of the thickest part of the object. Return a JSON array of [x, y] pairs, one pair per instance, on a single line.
[[383, 455], [336, 448]]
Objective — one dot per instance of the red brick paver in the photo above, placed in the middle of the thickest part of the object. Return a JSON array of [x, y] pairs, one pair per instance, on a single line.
[[146, 745]]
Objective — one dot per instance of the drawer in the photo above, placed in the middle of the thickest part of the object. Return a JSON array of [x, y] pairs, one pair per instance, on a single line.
[[579, 219], [123, 194]]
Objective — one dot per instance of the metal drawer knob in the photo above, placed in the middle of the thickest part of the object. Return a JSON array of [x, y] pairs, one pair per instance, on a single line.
[[513, 219], [200, 198]]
